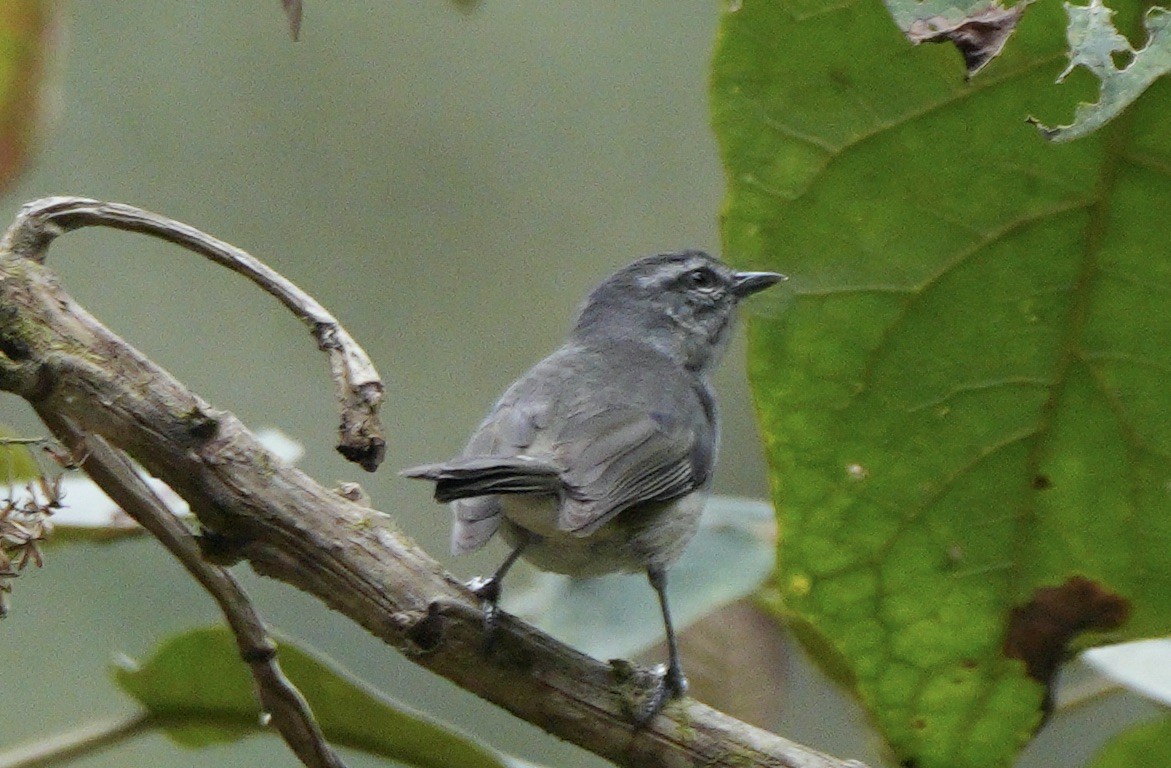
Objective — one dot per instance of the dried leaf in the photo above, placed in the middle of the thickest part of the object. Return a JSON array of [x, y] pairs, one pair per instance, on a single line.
[[978, 29], [1093, 44]]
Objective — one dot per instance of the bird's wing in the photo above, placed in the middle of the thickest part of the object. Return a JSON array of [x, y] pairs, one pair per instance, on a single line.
[[474, 476], [508, 431], [620, 457]]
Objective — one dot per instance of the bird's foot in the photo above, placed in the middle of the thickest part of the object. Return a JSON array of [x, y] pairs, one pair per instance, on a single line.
[[485, 588], [669, 683], [488, 590]]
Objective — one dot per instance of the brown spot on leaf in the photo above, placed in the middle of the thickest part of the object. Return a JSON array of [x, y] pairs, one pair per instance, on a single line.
[[1040, 630], [979, 37], [1042, 483]]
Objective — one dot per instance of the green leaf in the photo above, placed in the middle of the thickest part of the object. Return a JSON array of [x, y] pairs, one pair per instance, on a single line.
[[964, 405], [1138, 746], [202, 693], [1093, 43], [17, 464]]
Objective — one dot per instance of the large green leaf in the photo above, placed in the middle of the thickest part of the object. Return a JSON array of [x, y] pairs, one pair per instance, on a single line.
[[201, 692], [964, 405]]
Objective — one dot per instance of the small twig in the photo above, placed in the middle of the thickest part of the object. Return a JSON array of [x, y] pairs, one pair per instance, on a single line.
[[62, 747], [359, 388], [117, 476]]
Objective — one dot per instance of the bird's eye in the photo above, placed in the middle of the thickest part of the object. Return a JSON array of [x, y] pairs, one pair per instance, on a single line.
[[702, 278]]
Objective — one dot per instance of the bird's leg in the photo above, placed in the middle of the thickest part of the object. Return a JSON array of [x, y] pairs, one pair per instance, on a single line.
[[671, 684], [488, 590]]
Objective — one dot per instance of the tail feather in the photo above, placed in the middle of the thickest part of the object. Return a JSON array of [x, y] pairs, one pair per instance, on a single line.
[[466, 478]]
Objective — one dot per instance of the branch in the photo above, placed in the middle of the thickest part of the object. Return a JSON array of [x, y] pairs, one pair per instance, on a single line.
[[359, 389], [75, 371], [118, 477], [84, 741]]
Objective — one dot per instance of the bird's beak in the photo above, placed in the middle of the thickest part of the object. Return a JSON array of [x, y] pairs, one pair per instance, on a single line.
[[748, 283]]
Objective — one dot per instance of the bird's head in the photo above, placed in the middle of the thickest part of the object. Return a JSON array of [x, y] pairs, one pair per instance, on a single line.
[[682, 304]]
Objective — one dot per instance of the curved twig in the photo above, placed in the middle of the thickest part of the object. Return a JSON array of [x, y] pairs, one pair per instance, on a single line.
[[359, 388]]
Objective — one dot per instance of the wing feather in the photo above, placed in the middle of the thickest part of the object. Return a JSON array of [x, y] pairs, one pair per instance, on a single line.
[[624, 457]]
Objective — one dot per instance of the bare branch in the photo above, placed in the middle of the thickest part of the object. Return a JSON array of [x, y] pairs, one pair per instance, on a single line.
[[118, 477], [72, 369], [359, 388], [87, 740]]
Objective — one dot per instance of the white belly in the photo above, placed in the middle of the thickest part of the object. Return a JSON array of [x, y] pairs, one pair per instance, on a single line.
[[637, 538]]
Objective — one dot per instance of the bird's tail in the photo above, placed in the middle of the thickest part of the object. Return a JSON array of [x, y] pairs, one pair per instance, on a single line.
[[466, 478]]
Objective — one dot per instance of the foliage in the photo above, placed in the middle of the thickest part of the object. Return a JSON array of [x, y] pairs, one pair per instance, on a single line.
[[197, 689], [963, 407]]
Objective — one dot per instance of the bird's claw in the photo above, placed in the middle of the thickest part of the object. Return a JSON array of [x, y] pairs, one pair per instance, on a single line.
[[488, 590], [675, 682], [485, 588], [669, 684]]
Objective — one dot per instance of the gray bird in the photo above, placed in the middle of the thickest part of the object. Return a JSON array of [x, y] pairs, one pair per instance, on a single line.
[[599, 459]]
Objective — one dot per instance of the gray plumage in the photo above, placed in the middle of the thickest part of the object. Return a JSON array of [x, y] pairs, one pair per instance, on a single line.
[[600, 457]]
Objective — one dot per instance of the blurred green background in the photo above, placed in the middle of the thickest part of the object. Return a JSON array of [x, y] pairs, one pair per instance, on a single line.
[[449, 184]]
